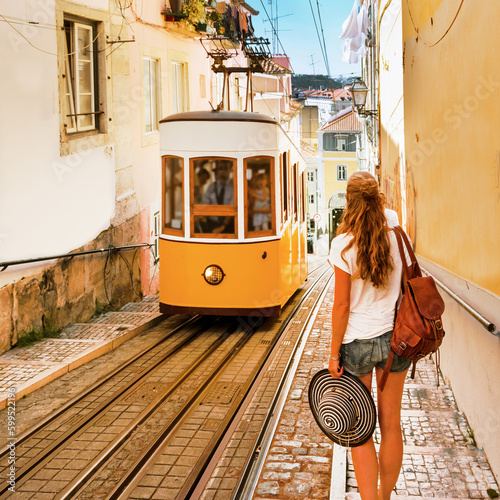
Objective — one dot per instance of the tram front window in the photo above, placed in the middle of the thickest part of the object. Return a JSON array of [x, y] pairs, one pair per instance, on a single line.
[[259, 196], [214, 189]]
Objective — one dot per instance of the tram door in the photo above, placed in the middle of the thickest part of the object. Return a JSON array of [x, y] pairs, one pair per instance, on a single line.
[[334, 220]]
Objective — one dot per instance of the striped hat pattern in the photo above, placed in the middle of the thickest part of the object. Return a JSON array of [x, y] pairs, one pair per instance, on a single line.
[[343, 408]]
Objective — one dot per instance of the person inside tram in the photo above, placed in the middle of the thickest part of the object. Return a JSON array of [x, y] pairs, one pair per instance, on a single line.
[[201, 179], [220, 192], [261, 203]]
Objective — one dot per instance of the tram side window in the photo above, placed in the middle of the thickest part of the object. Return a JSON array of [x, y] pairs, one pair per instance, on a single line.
[[259, 196], [295, 194], [284, 187], [303, 198], [213, 195], [173, 202]]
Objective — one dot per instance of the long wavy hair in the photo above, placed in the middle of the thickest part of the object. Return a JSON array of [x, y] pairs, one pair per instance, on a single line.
[[365, 219]]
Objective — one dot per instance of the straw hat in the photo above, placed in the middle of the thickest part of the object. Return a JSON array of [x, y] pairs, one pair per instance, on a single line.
[[343, 408]]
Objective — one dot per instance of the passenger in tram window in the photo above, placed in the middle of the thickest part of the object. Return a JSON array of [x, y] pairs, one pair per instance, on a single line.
[[368, 270], [220, 192], [201, 178], [261, 204], [176, 222]]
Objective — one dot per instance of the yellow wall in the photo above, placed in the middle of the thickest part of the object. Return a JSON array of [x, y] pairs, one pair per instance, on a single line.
[[451, 101], [331, 160], [440, 157]]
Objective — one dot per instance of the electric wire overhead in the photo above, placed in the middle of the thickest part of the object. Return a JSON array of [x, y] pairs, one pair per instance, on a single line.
[[276, 34], [321, 37]]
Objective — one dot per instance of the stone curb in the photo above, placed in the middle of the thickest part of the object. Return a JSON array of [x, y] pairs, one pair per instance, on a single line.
[[96, 350], [339, 468]]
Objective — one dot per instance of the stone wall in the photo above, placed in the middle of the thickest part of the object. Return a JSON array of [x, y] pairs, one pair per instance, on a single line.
[[70, 290]]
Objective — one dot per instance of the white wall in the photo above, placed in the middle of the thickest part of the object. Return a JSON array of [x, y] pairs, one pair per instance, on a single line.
[[48, 204]]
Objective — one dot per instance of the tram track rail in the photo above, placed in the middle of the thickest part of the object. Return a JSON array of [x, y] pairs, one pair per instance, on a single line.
[[28, 465], [70, 491], [246, 483], [30, 432], [70, 425], [195, 482], [126, 484]]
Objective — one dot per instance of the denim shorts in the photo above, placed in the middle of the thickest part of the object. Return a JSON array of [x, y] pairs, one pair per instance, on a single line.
[[360, 357]]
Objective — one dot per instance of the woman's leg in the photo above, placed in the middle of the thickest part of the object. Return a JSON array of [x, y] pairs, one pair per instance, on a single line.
[[391, 442], [365, 462]]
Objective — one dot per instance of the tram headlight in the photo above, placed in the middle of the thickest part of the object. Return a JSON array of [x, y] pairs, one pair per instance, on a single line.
[[213, 274]]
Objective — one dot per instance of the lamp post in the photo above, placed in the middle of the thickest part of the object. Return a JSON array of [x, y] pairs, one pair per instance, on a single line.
[[359, 91]]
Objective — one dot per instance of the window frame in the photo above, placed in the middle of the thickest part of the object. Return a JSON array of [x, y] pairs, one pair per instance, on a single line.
[[284, 180], [294, 171], [344, 177], [154, 85], [272, 191], [72, 80], [303, 194], [208, 210], [330, 140], [164, 229], [179, 86]]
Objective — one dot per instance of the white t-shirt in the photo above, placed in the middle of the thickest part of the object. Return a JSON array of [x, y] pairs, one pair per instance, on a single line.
[[372, 309], [392, 217]]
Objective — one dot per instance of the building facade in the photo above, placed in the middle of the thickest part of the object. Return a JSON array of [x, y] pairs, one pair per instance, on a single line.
[[337, 159]]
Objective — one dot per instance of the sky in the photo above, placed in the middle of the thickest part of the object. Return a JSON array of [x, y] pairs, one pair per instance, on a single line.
[[298, 35]]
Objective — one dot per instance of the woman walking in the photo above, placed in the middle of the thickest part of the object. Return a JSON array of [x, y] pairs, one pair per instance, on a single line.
[[368, 271]]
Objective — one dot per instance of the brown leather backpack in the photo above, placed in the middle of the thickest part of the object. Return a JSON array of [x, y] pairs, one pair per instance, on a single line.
[[418, 328]]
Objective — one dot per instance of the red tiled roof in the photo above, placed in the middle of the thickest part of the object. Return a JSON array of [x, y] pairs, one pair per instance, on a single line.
[[339, 93], [336, 95], [344, 121]]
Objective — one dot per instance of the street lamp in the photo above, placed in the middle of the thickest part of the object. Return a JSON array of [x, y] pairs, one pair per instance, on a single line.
[[359, 91]]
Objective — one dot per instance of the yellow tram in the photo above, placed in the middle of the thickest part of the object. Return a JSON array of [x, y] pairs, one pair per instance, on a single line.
[[233, 236]]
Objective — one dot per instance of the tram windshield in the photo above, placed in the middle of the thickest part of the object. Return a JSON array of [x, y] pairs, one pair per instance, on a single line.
[[213, 197]]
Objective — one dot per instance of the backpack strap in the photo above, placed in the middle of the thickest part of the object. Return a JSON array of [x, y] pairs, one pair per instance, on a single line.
[[398, 232], [406, 269], [413, 268], [383, 378]]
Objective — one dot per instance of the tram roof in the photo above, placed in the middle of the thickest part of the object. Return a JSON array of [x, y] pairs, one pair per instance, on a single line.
[[224, 116]]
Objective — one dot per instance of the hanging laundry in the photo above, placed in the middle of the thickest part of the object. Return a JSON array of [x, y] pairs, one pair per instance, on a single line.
[[355, 32], [243, 22], [350, 25], [250, 26], [363, 30]]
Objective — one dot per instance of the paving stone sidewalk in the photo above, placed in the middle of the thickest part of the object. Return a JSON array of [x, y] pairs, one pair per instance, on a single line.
[[28, 368], [441, 458]]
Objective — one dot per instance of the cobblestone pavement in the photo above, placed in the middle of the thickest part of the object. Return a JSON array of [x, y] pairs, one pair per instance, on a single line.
[[440, 460], [28, 368]]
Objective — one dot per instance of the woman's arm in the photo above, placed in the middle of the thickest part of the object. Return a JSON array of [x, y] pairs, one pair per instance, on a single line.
[[340, 316]]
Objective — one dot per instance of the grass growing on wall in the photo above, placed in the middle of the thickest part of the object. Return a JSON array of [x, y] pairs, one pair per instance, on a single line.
[[37, 333], [104, 308]]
